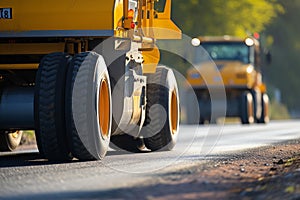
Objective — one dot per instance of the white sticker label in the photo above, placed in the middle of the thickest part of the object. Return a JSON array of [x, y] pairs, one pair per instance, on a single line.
[[5, 13]]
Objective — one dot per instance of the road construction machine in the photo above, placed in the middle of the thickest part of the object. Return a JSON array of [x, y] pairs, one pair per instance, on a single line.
[[233, 65], [84, 75]]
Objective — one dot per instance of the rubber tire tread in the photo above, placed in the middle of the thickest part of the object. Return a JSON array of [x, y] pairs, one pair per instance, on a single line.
[[157, 94], [49, 107], [244, 108], [77, 146], [262, 119]]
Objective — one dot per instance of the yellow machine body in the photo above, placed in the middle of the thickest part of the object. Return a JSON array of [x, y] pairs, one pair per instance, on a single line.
[[75, 21], [123, 32], [32, 17], [227, 73], [230, 67]]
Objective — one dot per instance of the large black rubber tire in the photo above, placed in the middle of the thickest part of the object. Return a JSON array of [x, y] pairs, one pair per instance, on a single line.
[[9, 141], [192, 108], [247, 108], [161, 126], [257, 97], [49, 107], [87, 76], [265, 110]]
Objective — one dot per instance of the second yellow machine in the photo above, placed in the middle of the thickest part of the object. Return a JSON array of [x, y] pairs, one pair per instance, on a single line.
[[84, 73], [230, 68]]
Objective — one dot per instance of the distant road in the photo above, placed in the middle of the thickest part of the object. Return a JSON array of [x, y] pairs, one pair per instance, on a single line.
[[24, 175]]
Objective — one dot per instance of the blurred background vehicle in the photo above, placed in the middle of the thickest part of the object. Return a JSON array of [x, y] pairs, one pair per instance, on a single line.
[[233, 64]]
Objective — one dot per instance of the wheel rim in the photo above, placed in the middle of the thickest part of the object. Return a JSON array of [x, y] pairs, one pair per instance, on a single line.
[[104, 108], [174, 112]]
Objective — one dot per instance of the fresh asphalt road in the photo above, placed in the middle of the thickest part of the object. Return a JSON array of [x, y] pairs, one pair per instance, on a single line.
[[23, 175]]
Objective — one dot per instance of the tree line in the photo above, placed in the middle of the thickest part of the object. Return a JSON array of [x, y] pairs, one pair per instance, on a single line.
[[275, 20]]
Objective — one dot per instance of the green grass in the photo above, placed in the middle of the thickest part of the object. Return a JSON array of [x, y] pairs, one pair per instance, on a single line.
[[278, 111], [28, 137]]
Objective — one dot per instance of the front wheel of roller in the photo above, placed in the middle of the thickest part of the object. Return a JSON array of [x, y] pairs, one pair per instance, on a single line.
[[49, 107], [247, 108], [160, 130], [88, 106], [265, 110]]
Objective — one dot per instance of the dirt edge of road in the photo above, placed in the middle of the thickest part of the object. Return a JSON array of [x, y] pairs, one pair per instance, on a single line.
[[271, 172]]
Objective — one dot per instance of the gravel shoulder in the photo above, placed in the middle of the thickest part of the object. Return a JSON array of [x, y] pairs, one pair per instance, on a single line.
[[271, 172]]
